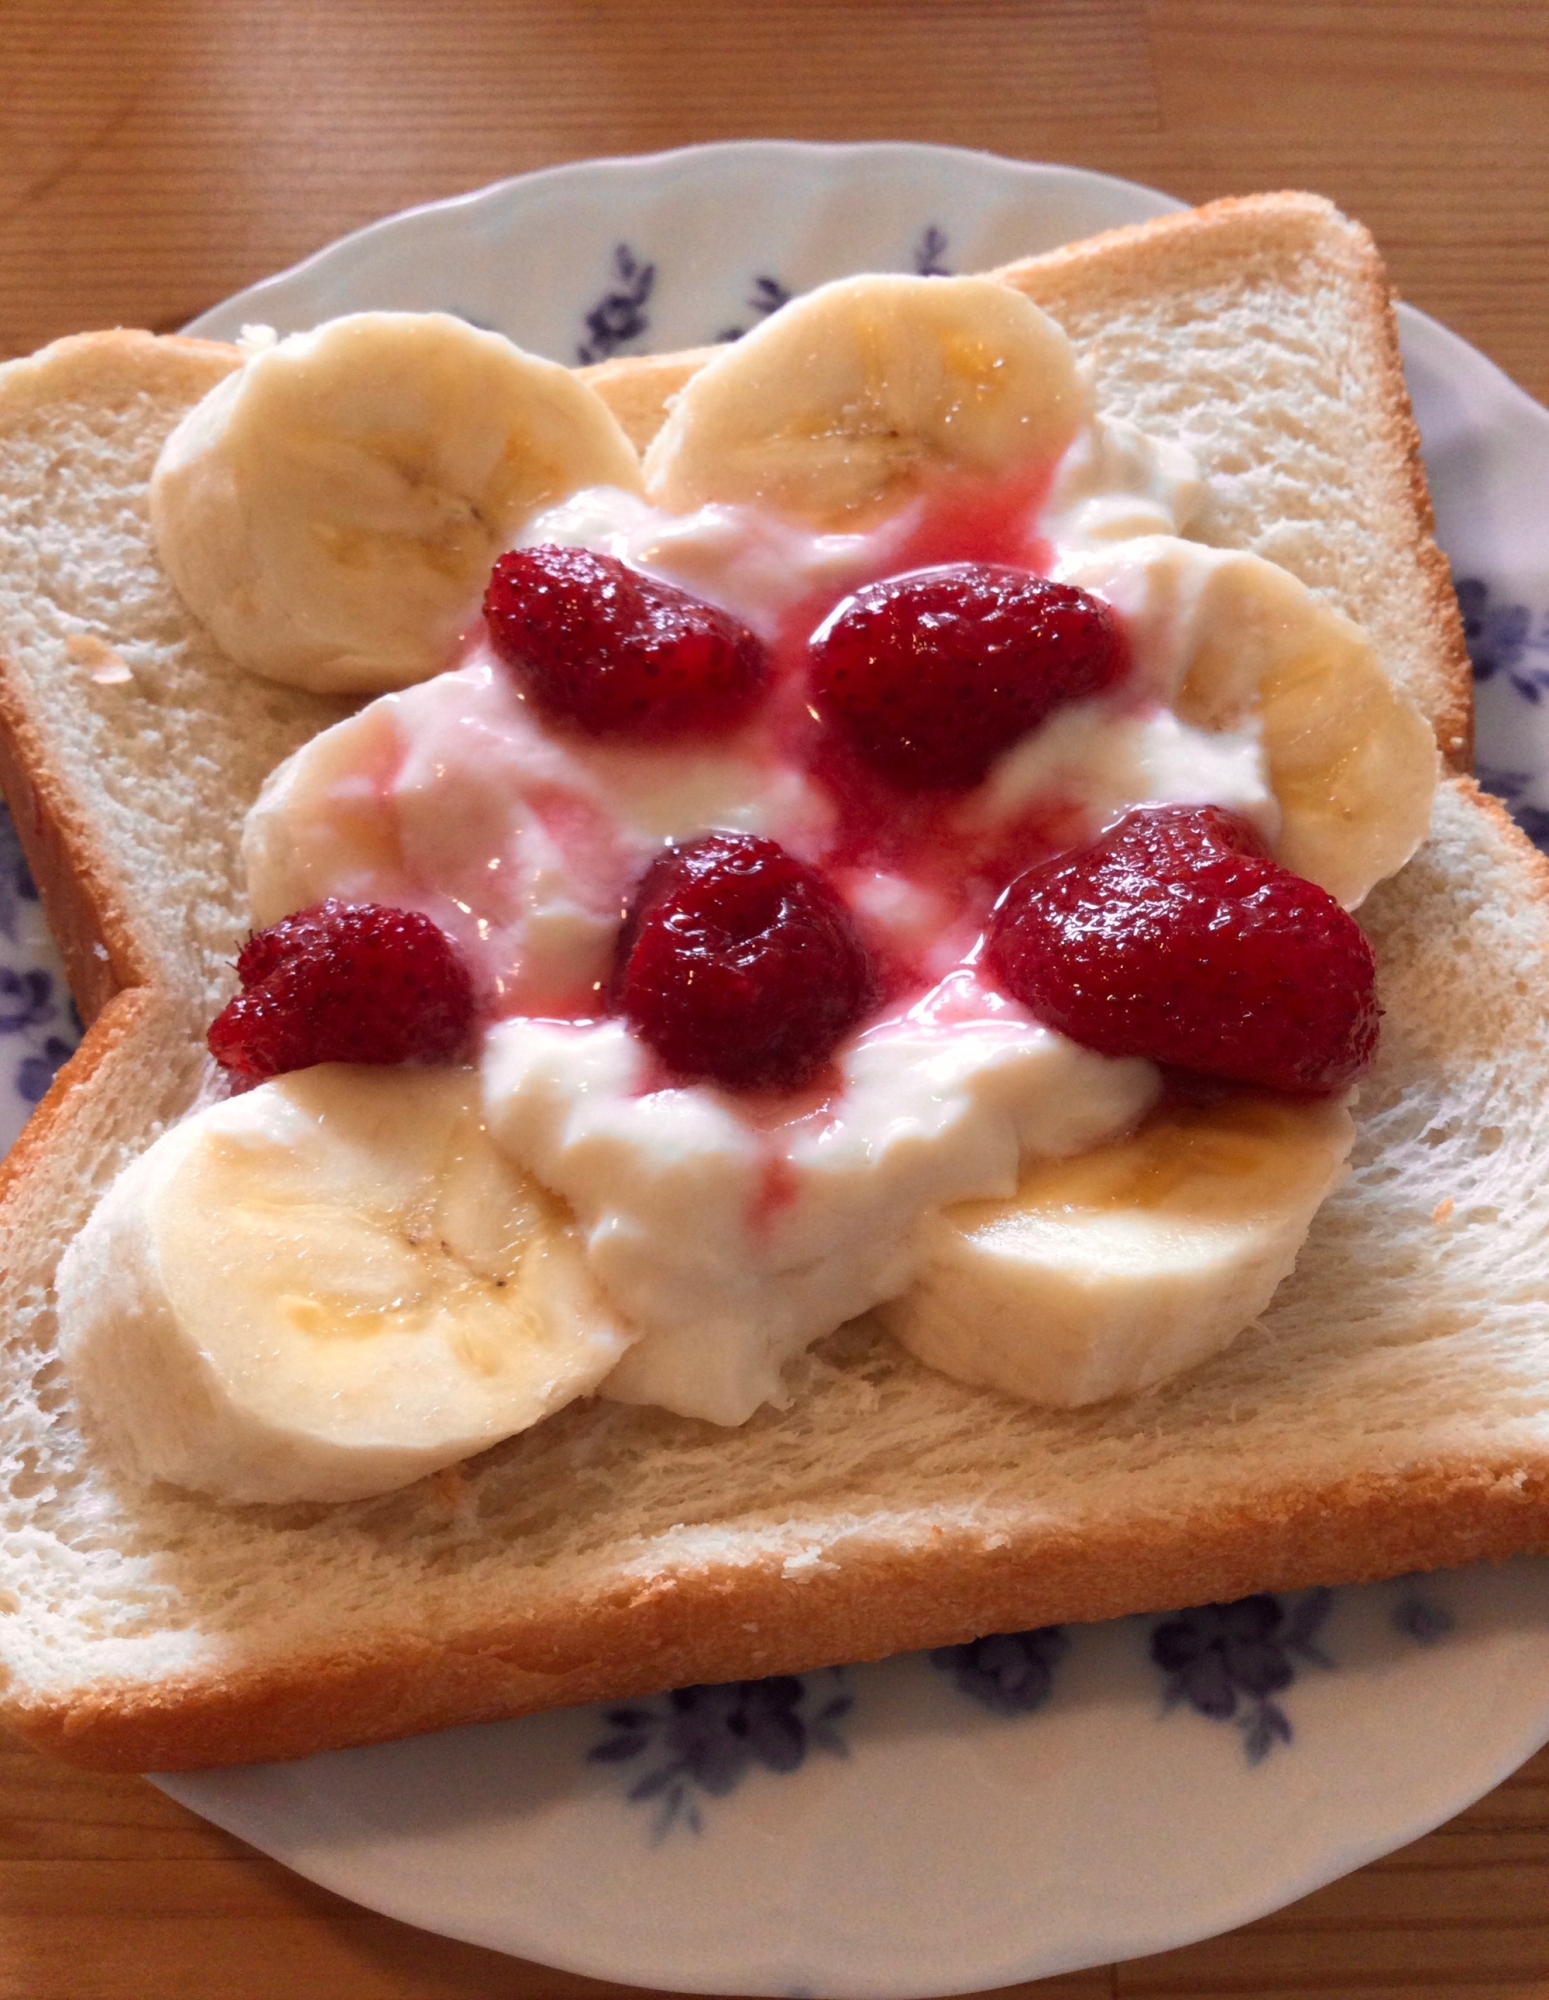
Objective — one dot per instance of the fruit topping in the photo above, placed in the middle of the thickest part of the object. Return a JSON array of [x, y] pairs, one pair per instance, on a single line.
[[611, 651], [347, 983], [1175, 936], [865, 393], [931, 675], [331, 508], [740, 965]]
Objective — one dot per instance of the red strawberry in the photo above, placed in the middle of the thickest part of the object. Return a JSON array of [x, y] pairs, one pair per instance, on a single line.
[[344, 982], [740, 965], [1174, 936], [930, 676], [613, 652]]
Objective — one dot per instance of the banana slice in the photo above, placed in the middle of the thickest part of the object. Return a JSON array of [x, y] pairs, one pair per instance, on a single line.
[[326, 1288], [842, 403], [1227, 639], [1108, 1272], [322, 824], [331, 510]]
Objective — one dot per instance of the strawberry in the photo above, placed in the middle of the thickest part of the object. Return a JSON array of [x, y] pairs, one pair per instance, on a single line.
[[344, 982], [603, 648], [740, 965], [1174, 936], [931, 675]]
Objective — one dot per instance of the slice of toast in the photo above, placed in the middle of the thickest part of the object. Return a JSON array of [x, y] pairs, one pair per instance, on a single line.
[[1391, 1411]]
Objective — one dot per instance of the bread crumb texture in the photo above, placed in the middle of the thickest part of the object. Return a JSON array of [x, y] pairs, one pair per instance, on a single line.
[[150, 734]]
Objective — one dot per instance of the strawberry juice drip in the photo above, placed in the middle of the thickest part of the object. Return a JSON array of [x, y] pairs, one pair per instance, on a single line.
[[920, 838], [974, 520], [884, 849]]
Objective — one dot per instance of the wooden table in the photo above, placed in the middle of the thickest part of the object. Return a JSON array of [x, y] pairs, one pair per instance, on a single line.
[[157, 154]]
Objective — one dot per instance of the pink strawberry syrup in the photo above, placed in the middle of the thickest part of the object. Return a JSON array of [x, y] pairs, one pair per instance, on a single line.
[[911, 840], [918, 837]]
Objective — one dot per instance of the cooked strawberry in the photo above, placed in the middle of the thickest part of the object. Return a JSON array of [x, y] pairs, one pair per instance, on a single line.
[[612, 652], [740, 965], [930, 676], [1174, 936], [344, 982], [266, 950]]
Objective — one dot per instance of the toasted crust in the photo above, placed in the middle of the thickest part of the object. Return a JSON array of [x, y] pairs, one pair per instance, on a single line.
[[741, 1623], [94, 938], [731, 1555]]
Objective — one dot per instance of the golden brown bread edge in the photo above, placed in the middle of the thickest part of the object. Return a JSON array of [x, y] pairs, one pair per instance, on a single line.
[[728, 1622], [671, 1631]]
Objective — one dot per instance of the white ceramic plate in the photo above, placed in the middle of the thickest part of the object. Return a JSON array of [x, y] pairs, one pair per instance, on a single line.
[[1035, 1803]]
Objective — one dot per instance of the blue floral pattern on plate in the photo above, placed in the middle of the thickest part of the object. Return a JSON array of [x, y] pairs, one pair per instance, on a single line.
[[1225, 1662], [39, 1026], [1228, 1661], [766, 296], [1009, 1673], [708, 1739], [619, 316], [929, 249], [1508, 641]]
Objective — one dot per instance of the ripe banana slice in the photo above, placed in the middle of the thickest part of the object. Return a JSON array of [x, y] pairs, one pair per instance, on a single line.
[[1227, 639], [322, 824], [326, 1288], [332, 508], [841, 404], [1108, 1272]]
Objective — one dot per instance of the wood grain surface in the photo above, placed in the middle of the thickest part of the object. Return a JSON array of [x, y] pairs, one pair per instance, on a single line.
[[155, 155]]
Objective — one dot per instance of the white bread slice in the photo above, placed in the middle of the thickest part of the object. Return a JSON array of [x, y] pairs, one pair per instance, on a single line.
[[1390, 1412]]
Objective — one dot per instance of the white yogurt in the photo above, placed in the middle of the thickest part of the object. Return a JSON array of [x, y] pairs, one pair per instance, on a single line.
[[1111, 482], [749, 563], [732, 1243], [452, 799]]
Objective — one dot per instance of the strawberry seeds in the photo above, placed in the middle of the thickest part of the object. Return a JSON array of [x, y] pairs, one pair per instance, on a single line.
[[1175, 936], [346, 983]]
